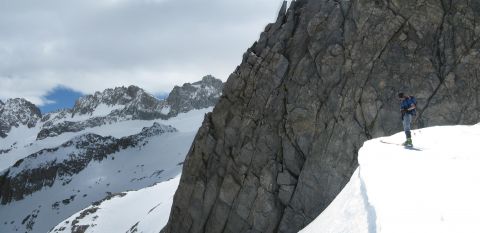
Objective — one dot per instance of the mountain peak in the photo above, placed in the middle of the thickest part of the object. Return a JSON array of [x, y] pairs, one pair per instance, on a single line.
[[111, 96], [16, 112], [132, 102], [133, 90], [208, 79], [195, 95]]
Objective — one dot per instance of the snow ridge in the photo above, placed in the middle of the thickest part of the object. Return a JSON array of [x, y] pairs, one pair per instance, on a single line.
[[431, 188]]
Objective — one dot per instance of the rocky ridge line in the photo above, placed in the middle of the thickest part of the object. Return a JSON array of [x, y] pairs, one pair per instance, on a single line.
[[126, 103], [135, 104], [37, 170]]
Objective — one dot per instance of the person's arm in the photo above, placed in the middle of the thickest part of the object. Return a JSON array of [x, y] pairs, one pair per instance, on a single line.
[[404, 110], [413, 106]]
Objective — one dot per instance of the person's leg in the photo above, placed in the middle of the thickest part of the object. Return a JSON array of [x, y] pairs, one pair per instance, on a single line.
[[407, 120], [406, 124]]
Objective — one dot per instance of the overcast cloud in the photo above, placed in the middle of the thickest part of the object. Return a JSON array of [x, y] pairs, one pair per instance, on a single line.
[[90, 45]]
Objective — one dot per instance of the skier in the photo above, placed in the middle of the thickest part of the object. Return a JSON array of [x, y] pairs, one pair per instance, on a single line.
[[408, 109]]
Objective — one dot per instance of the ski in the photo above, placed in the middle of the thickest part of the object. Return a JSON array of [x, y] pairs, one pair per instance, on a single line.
[[399, 144]]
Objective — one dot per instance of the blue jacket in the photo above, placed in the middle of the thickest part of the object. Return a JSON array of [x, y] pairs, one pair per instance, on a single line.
[[408, 103]]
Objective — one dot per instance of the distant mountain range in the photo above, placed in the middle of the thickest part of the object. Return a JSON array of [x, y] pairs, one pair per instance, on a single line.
[[120, 139]]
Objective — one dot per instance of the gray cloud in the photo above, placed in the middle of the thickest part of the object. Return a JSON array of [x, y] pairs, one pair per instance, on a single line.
[[90, 45]]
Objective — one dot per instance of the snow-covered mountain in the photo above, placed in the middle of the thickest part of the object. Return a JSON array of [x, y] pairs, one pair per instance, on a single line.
[[118, 140], [432, 188], [16, 112], [197, 95]]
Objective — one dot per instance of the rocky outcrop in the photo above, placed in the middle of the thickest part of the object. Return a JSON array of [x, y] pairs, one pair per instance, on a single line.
[[283, 139], [16, 112], [59, 164], [197, 95]]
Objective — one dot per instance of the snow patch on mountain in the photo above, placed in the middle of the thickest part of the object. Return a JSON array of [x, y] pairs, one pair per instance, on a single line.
[[430, 188], [148, 210]]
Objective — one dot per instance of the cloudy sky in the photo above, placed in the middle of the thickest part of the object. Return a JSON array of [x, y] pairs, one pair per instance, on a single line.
[[90, 45]]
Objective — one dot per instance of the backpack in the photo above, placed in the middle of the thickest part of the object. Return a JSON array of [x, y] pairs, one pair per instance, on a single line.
[[413, 100]]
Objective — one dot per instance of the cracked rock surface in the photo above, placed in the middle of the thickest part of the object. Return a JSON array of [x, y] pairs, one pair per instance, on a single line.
[[283, 139]]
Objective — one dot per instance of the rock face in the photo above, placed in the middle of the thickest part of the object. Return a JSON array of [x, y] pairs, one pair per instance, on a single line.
[[283, 139], [197, 95], [16, 112]]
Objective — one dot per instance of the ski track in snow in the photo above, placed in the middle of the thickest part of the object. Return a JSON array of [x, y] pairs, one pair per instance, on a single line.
[[396, 190]]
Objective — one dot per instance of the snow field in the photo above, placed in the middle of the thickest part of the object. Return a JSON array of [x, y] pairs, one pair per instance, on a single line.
[[145, 210], [397, 190]]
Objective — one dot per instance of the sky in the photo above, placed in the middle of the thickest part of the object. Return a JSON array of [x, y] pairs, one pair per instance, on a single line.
[[90, 45], [58, 98]]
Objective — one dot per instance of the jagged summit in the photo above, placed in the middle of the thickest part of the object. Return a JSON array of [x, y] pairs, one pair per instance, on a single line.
[[16, 112], [190, 96], [111, 105], [195, 95], [111, 97]]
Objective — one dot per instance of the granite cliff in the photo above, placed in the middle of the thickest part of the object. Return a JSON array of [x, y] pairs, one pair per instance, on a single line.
[[283, 139]]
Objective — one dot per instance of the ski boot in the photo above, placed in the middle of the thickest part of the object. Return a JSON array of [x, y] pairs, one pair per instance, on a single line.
[[408, 143]]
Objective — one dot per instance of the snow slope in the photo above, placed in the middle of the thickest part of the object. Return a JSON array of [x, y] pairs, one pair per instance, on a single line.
[[148, 211], [433, 188], [159, 158], [144, 210]]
